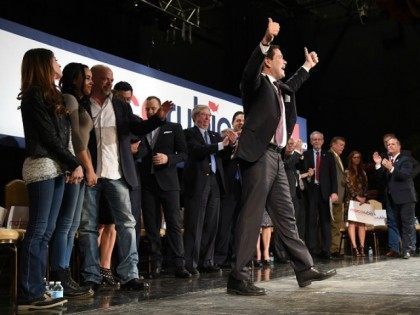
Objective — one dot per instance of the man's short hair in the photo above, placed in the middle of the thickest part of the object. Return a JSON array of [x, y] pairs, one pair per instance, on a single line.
[[313, 133], [197, 110], [236, 114], [336, 139], [270, 51], [149, 98], [123, 86]]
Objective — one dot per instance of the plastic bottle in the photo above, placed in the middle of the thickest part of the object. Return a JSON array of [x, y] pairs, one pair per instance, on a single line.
[[50, 288], [58, 290], [370, 252]]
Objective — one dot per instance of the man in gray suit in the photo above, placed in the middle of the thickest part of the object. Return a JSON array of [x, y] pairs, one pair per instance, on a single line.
[[337, 147], [270, 116]]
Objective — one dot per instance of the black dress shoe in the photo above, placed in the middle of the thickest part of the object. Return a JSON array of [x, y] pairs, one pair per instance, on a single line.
[[135, 285], [156, 271], [181, 272], [193, 271], [243, 287], [210, 269], [305, 278]]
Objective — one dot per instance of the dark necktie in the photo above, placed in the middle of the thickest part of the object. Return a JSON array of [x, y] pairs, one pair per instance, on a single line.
[[392, 160], [212, 157], [317, 165], [279, 130]]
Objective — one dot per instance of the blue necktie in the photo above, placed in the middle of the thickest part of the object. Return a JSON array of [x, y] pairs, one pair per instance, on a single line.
[[212, 157]]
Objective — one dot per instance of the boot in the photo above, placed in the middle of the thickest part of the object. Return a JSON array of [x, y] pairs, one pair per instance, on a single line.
[[71, 288]]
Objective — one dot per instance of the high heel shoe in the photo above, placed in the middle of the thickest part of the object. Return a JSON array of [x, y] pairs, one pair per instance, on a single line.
[[355, 252], [362, 251]]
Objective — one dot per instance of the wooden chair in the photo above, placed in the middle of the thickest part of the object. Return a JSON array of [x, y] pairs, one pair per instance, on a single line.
[[16, 194]]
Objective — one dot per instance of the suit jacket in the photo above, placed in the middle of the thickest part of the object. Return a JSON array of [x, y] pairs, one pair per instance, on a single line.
[[197, 168], [399, 183], [170, 141], [290, 166], [127, 124], [261, 107], [327, 175], [341, 177]]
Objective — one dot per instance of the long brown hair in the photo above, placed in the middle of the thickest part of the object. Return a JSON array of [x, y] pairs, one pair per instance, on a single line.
[[356, 172], [37, 71]]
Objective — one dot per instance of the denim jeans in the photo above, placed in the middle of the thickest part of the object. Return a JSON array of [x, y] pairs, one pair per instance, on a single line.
[[45, 200], [67, 224], [117, 194], [393, 233]]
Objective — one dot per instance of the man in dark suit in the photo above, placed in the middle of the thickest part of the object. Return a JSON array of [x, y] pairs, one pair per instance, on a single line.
[[229, 207], [204, 183], [162, 149], [337, 147], [110, 149], [270, 116], [393, 233], [322, 188], [400, 195]]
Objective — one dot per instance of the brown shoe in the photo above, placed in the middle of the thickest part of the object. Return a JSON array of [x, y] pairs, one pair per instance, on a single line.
[[392, 254]]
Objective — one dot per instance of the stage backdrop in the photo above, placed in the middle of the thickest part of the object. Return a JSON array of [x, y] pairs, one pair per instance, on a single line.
[[16, 39]]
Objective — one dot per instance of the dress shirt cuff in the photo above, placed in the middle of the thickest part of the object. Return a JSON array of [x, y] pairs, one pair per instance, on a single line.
[[377, 166], [220, 146], [307, 70], [391, 170], [264, 48]]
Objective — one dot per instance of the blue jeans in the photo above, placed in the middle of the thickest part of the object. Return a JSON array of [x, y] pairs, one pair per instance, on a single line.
[[393, 233], [67, 224], [117, 194], [45, 200]]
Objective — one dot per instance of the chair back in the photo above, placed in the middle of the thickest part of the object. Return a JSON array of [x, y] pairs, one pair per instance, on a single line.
[[16, 194]]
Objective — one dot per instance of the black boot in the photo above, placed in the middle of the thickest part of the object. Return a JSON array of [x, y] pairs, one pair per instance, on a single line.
[[71, 288]]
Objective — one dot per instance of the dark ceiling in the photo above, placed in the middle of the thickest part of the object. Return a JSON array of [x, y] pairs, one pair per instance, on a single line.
[[366, 83]]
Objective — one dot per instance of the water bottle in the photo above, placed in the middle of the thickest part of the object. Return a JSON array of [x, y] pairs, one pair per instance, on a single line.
[[370, 252], [50, 288], [58, 290]]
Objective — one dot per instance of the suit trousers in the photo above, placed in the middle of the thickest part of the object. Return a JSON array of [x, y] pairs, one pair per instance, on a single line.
[[336, 226], [319, 219], [153, 197], [229, 210], [201, 220], [265, 185], [404, 215]]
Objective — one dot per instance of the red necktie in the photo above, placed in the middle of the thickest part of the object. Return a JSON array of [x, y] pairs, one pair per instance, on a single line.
[[392, 160], [317, 165]]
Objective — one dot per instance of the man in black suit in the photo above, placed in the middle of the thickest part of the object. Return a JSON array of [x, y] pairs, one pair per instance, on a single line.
[[322, 188], [110, 149], [270, 116], [204, 183], [400, 195], [162, 149], [229, 208], [393, 233]]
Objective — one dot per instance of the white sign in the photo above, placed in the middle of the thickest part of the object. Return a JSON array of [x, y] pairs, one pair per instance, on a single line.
[[364, 213]]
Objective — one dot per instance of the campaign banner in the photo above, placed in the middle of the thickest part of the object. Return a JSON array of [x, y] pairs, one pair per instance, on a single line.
[[364, 213], [16, 39]]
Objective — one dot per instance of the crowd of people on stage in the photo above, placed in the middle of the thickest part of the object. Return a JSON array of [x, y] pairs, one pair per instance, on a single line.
[[95, 169]]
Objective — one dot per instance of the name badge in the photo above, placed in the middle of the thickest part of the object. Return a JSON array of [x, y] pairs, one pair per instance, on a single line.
[[286, 98]]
